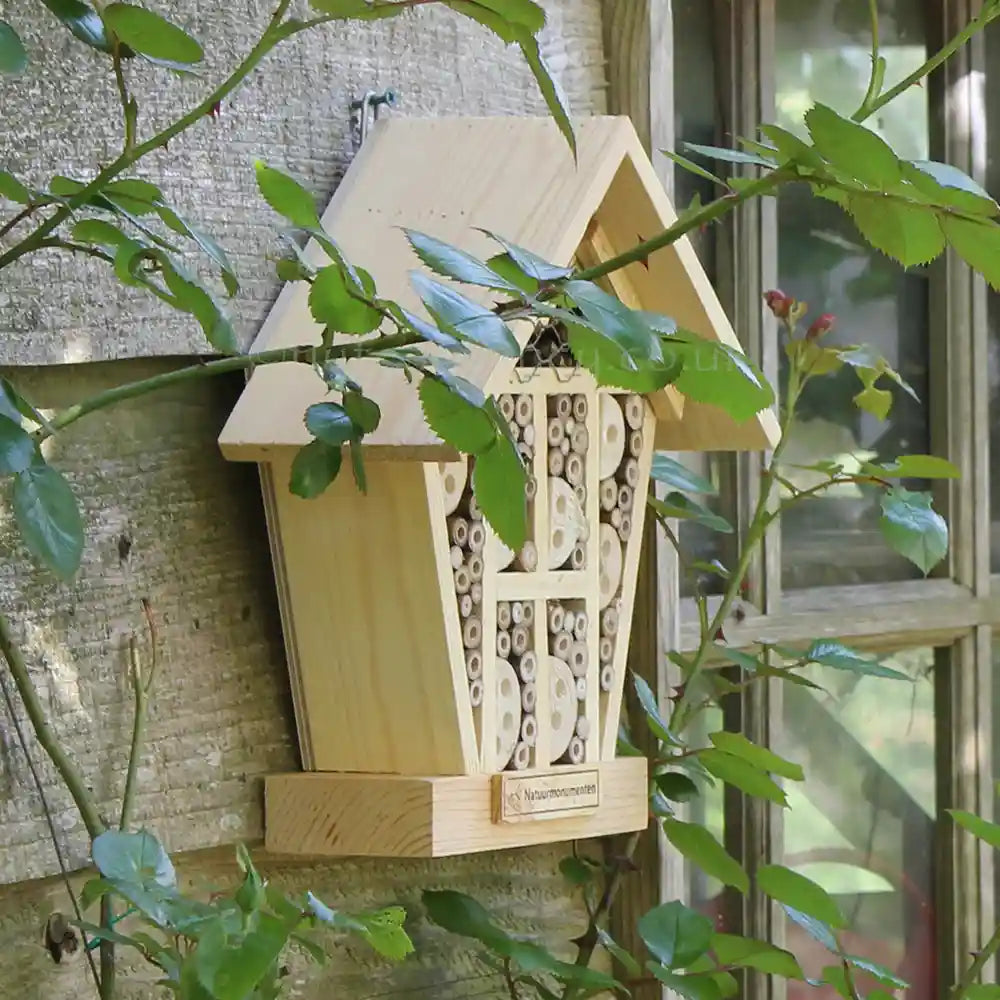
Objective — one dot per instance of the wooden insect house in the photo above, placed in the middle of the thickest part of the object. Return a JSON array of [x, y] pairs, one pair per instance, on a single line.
[[452, 695]]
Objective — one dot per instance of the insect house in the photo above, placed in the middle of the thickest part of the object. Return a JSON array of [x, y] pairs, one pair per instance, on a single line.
[[453, 695]]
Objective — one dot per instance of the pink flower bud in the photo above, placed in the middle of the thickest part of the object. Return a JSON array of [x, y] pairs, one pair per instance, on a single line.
[[821, 325], [779, 303]]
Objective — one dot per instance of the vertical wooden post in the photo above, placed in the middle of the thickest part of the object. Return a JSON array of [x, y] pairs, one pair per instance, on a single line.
[[638, 45]]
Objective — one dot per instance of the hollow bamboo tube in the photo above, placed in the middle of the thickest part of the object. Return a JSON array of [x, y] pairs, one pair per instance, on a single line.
[[503, 645], [569, 620], [578, 557], [477, 536], [476, 593], [472, 632], [529, 695], [575, 469], [576, 751], [609, 621], [505, 403], [524, 410], [462, 580], [475, 568], [630, 472], [580, 626], [607, 677], [473, 664], [635, 444], [556, 432], [562, 405], [529, 729], [557, 463], [579, 658], [529, 613], [580, 440], [476, 692], [580, 407], [465, 605], [520, 640], [516, 612], [625, 528], [527, 558], [560, 645], [583, 727], [521, 760], [503, 614], [606, 649], [581, 689], [456, 556], [475, 511], [635, 412], [556, 616], [608, 494], [527, 668], [459, 530]]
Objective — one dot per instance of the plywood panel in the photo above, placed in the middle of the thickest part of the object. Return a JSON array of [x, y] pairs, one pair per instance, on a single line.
[[371, 645]]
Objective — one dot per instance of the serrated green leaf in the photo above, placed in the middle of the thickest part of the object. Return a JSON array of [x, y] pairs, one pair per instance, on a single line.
[[430, 331], [150, 34], [314, 468], [800, 893], [384, 932], [828, 653], [48, 518], [729, 155], [191, 296], [234, 970], [691, 167], [977, 826], [207, 244], [682, 507], [760, 757], [611, 366], [977, 243], [818, 930], [912, 467], [530, 264], [675, 934], [909, 234], [694, 986], [741, 774], [12, 189], [452, 262], [913, 528], [947, 185], [13, 57], [676, 786], [498, 482], [364, 412], [335, 303], [621, 325], [464, 318], [680, 477], [287, 196], [17, 448], [330, 423], [719, 375], [82, 20], [753, 954], [548, 85], [853, 149], [885, 976], [647, 699], [697, 844], [877, 402], [454, 419], [791, 148]]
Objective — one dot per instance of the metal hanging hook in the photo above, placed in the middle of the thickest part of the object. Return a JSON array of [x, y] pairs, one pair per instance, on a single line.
[[369, 107]]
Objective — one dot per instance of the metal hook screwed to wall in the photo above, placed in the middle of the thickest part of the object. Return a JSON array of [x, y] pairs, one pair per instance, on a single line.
[[369, 107]]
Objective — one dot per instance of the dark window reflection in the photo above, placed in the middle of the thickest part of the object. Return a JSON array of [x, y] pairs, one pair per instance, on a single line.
[[823, 54]]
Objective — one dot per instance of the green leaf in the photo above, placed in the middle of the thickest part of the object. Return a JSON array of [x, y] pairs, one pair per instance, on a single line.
[[357, 10], [454, 419], [530, 264], [82, 20], [719, 375], [618, 953], [982, 991], [151, 35], [133, 194], [364, 412], [611, 365], [137, 858], [462, 915], [609, 317], [232, 971], [676, 786], [977, 826], [913, 528], [853, 149], [697, 844], [791, 148], [466, 319], [692, 987], [93, 890], [947, 185], [760, 757], [12, 189], [977, 243], [680, 477], [48, 518], [13, 57], [498, 482], [549, 86], [192, 297], [98, 232], [877, 402], [729, 155], [912, 467], [818, 930], [828, 653], [679, 506], [207, 244], [909, 234], [451, 262], [675, 934], [17, 448], [334, 302], [314, 468], [691, 167], [657, 724], [753, 954], [330, 423], [287, 196], [885, 976], [741, 774], [576, 871], [799, 892], [383, 930], [526, 13]]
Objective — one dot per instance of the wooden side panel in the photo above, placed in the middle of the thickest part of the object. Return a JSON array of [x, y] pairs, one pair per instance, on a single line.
[[673, 282], [372, 659], [337, 815]]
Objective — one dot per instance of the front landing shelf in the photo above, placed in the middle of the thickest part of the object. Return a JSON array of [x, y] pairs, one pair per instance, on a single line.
[[325, 814]]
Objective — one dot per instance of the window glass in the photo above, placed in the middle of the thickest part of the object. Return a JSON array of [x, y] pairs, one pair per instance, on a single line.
[[823, 54], [862, 823], [993, 186]]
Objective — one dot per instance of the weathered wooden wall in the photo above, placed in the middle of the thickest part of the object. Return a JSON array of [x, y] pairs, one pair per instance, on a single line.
[[167, 519]]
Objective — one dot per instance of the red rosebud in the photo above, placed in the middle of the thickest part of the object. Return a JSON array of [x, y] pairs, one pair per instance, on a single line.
[[779, 303], [720, 636], [824, 324]]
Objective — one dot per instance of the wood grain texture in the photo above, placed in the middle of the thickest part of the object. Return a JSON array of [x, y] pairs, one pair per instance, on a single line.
[[368, 622], [168, 521], [335, 815], [523, 889], [61, 117]]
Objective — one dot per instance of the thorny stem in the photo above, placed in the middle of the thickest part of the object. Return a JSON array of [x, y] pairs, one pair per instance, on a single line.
[[142, 684], [20, 217], [508, 977], [878, 67], [975, 970], [123, 95]]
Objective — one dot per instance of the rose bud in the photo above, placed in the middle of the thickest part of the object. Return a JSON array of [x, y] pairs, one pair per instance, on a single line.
[[778, 302], [821, 325]]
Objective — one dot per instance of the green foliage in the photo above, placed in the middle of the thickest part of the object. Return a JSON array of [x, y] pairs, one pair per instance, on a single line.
[[149, 34], [670, 472], [675, 934], [799, 892], [13, 57], [977, 826], [698, 844], [913, 528], [48, 518], [82, 20]]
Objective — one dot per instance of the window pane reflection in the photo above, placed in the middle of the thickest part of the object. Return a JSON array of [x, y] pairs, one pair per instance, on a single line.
[[823, 54], [861, 825], [993, 186]]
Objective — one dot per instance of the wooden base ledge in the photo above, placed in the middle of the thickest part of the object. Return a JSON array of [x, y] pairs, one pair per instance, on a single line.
[[394, 816]]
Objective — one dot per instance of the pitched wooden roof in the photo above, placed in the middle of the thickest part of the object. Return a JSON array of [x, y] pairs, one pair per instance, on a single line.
[[515, 176]]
